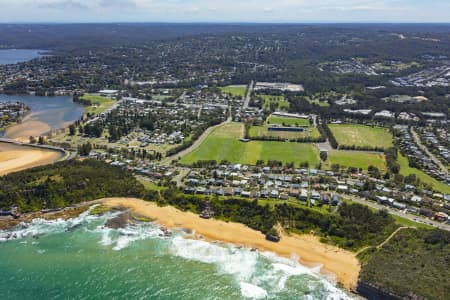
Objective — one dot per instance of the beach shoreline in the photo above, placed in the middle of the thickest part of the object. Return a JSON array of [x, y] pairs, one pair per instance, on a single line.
[[14, 158], [333, 261], [22, 131]]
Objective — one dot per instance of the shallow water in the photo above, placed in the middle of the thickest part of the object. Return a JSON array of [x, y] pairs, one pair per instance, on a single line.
[[81, 259], [54, 111]]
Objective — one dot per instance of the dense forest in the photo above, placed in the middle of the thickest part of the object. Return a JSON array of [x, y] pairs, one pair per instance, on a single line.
[[413, 265], [64, 184]]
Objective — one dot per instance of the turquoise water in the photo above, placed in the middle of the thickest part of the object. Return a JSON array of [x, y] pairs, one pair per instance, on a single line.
[[14, 56], [80, 259], [54, 111]]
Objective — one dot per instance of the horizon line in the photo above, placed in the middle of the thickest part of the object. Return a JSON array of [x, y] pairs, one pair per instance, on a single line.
[[329, 22]]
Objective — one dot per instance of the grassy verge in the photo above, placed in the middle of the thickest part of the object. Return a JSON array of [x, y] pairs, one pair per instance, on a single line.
[[405, 170]]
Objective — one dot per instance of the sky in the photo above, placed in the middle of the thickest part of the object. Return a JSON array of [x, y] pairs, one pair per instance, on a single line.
[[288, 11]]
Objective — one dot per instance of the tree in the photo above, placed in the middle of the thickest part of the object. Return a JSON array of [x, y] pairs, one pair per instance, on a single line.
[[85, 149], [32, 140], [335, 167], [323, 155], [72, 129]]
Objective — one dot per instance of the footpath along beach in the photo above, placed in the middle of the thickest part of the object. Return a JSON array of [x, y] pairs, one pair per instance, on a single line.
[[334, 261]]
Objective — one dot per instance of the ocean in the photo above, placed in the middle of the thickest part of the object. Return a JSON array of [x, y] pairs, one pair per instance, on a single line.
[[14, 56], [82, 259]]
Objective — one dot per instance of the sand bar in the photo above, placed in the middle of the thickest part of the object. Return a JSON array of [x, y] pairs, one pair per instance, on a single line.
[[14, 158], [22, 131], [343, 264]]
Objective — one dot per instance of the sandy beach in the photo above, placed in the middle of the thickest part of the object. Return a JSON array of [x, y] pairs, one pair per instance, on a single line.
[[22, 131], [341, 263], [15, 158]]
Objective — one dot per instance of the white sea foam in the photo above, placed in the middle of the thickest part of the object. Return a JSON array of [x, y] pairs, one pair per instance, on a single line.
[[258, 274], [252, 291], [106, 236], [41, 226], [255, 272], [121, 238], [230, 260], [135, 232]]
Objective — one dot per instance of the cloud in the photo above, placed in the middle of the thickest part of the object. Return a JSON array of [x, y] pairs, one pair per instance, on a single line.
[[63, 5], [117, 4], [224, 10]]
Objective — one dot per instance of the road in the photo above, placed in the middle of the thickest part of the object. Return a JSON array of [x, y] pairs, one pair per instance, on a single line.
[[182, 96], [413, 218], [48, 147], [249, 94], [425, 149], [168, 160]]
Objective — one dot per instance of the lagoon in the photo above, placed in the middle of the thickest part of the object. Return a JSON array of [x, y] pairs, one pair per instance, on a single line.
[[14, 56], [56, 112]]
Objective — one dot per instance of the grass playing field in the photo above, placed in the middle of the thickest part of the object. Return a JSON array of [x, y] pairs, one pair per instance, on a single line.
[[288, 121], [357, 159], [99, 103], [263, 131], [280, 100], [235, 90], [361, 135], [223, 144], [405, 170]]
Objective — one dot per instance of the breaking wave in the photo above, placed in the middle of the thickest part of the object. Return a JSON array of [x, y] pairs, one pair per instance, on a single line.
[[258, 275], [39, 227]]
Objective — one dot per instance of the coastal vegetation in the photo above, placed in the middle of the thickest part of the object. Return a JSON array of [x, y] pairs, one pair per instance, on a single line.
[[413, 265], [352, 227], [64, 184]]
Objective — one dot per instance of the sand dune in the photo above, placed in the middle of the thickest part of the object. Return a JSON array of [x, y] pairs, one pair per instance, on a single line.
[[343, 264], [15, 158]]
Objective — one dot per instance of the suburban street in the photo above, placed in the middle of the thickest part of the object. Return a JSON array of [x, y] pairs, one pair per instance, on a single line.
[[425, 149], [249, 94], [414, 218], [168, 160]]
